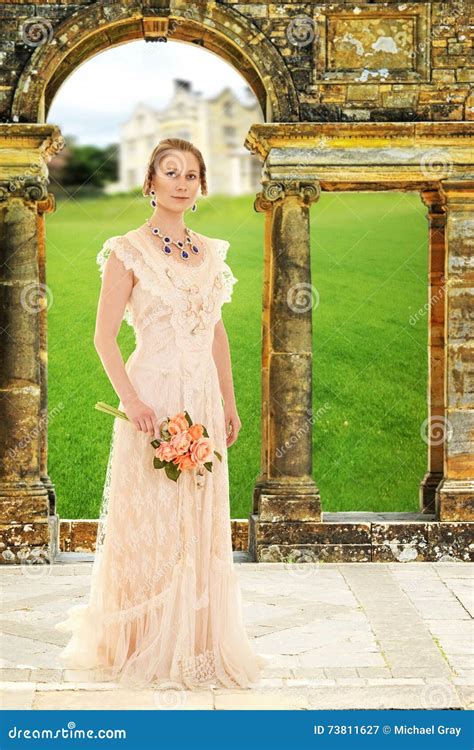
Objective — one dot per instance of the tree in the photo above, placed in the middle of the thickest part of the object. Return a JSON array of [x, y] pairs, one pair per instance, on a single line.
[[84, 166]]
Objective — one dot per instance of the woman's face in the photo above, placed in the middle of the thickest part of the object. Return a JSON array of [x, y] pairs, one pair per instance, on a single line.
[[176, 181]]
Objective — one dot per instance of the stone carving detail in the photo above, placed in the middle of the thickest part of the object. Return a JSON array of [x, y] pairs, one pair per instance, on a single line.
[[273, 190], [53, 146], [375, 44], [27, 187]]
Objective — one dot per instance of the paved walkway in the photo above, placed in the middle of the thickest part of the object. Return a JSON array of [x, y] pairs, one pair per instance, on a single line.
[[348, 635]]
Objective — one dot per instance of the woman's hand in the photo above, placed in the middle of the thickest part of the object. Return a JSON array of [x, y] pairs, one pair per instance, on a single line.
[[232, 425], [142, 416]]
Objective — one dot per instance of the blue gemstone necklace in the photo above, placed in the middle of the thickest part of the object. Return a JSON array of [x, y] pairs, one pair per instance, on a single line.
[[184, 247]]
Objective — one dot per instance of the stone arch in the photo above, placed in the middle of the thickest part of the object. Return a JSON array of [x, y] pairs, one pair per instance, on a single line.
[[431, 159], [99, 27]]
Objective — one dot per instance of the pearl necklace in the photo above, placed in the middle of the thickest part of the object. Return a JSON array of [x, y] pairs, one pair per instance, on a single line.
[[168, 241]]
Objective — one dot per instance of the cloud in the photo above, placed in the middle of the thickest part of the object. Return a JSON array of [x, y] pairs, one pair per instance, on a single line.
[[101, 94]]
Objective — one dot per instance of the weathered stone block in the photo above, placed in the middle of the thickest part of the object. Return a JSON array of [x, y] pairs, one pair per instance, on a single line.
[[83, 535], [273, 508], [23, 534], [403, 533], [240, 534], [451, 540], [391, 551], [455, 498], [24, 504], [362, 93], [444, 74], [311, 532], [465, 74], [313, 553]]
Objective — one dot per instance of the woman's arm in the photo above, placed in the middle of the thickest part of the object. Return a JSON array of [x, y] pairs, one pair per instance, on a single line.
[[117, 284], [221, 354]]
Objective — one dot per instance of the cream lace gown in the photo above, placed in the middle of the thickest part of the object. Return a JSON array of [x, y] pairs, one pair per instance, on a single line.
[[165, 603]]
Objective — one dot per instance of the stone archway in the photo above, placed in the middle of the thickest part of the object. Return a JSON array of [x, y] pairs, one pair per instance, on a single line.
[[435, 160], [29, 523], [92, 30]]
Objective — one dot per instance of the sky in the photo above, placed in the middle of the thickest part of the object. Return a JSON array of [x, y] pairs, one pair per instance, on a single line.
[[101, 94]]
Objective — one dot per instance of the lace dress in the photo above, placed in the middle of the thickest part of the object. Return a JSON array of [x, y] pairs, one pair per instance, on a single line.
[[165, 602]]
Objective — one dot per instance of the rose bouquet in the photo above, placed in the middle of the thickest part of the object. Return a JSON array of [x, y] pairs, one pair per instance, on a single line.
[[182, 445]]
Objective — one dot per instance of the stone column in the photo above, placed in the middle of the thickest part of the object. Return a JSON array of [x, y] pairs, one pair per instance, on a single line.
[[436, 287], [28, 522], [285, 495], [455, 495]]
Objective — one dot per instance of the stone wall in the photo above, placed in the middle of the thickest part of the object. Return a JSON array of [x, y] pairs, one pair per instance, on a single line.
[[340, 61]]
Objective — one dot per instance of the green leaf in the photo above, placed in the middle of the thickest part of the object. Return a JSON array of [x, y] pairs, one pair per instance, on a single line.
[[188, 418], [205, 432], [218, 455], [208, 465], [158, 464], [172, 471]]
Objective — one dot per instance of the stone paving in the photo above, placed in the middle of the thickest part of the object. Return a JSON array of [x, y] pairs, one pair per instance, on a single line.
[[340, 636]]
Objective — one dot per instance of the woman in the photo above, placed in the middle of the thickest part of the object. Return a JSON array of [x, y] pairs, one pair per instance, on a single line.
[[165, 603]]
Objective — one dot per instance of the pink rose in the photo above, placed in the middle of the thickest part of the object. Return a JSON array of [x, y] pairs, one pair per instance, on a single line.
[[184, 462], [178, 424], [165, 451], [181, 442], [201, 450], [195, 431]]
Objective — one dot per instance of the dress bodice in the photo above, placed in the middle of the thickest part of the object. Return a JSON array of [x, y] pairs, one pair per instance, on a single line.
[[172, 306]]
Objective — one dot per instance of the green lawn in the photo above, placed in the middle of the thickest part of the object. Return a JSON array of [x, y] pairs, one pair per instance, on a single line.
[[369, 260]]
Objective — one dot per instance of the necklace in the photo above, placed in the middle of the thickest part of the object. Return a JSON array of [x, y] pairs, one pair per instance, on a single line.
[[184, 247]]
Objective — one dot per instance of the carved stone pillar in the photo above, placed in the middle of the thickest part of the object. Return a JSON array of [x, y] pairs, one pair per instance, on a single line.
[[455, 495], [436, 288], [28, 522], [285, 495]]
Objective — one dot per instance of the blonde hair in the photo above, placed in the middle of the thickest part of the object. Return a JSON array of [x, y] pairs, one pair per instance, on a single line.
[[181, 145]]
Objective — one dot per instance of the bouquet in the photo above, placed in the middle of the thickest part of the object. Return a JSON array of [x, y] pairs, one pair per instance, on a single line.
[[182, 445]]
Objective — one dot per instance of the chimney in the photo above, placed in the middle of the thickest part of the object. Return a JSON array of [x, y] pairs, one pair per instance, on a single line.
[[181, 83]]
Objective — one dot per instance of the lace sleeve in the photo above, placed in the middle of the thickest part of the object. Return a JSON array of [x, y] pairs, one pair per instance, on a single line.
[[228, 277], [123, 250], [133, 258]]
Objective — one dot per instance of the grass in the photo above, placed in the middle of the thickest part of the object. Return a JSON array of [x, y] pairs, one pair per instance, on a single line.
[[369, 261]]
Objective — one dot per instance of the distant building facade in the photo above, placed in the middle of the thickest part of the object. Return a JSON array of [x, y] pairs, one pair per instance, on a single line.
[[217, 126]]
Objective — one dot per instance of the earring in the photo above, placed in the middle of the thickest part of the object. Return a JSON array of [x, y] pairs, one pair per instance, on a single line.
[[153, 201], [194, 207]]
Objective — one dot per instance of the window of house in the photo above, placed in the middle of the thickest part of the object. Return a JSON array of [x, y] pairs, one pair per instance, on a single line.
[[230, 135]]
